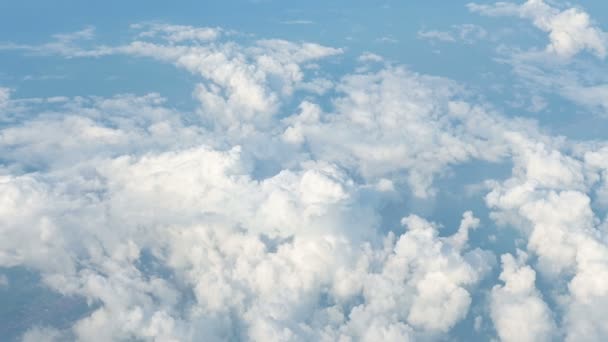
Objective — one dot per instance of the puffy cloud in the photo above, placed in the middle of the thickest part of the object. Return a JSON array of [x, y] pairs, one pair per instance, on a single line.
[[570, 31], [518, 310], [244, 85], [395, 122], [597, 160], [204, 218], [66, 131], [294, 255], [266, 251], [254, 221], [547, 199]]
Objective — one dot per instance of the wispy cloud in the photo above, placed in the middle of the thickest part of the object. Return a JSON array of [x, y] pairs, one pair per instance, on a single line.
[[570, 30], [298, 22], [467, 33], [387, 40]]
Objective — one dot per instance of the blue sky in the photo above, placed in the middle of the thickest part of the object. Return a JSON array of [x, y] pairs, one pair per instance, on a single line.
[[303, 171]]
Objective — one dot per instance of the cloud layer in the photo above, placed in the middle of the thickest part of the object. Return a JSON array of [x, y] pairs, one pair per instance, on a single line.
[[262, 213]]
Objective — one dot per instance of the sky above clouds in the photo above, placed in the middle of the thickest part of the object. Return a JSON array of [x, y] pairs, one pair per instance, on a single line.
[[320, 171]]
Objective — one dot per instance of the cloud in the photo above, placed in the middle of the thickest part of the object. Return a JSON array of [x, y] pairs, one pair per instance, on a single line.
[[387, 40], [124, 181], [45, 334], [244, 84], [178, 33], [547, 200], [559, 68], [467, 33], [370, 57], [261, 214], [67, 130], [393, 131], [298, 22], [518, 310], [544, 76], [442, 36], [87, 33], [64, 44], [217, 251], [5, 94], [570, 31]]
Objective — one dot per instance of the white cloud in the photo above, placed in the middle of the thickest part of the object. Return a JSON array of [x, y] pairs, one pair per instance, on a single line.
[[87, 33], [244, 85], [558, 68], [5, 95], [547, 199], [42, 334], [202, 215], [597, 160], [387, 40], [267, 225], [570, 30], [594, 96], [544, 76], [467, 33], [518, 310], [215, 249], [68, 130], [442, 36], [178, 33], [382, 127], [423, 282], [370, 57], [64, 44]]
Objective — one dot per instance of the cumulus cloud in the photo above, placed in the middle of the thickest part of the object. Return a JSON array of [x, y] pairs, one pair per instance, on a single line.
[[244, 85], [548, 200], [216, 250], [518, 310], [296, 255], [260, 214]]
